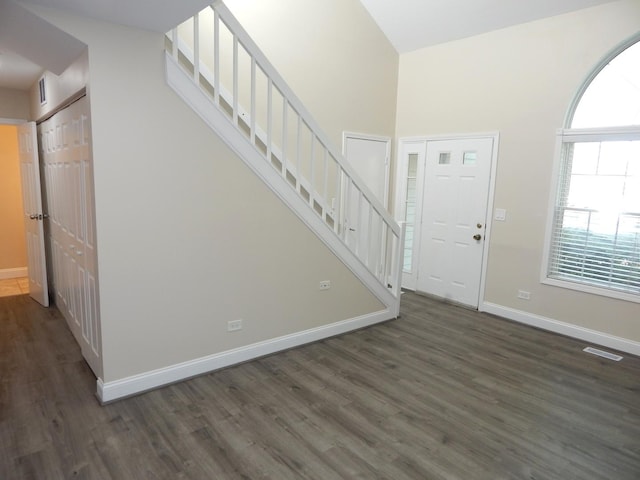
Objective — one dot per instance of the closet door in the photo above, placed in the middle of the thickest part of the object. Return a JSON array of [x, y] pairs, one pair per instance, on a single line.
[[66, 152]]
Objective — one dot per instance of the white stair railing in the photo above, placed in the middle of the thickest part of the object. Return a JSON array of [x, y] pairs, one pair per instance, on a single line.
[[224, 63]]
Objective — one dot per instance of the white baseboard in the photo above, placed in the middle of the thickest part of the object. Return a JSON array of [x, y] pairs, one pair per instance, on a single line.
[[118, 389], [581, 333], [19, 272]]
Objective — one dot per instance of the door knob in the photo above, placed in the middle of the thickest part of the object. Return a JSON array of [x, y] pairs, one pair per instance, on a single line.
[[33, 217], [477, 236]]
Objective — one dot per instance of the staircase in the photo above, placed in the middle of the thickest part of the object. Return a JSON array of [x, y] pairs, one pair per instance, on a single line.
[[212, 63]]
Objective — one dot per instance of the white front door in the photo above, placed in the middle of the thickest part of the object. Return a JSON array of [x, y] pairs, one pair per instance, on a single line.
[[33, 214], [454, 215]]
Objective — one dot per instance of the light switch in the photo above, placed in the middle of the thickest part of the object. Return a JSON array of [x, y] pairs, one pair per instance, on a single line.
[[500, 214]]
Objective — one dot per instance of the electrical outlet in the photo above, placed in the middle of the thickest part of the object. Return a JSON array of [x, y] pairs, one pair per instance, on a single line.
[[234, 325], [325, 284], [524, 295]]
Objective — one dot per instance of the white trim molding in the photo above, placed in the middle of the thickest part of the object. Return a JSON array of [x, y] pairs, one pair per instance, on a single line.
[[136, 384], [563, 328], [7, 273]]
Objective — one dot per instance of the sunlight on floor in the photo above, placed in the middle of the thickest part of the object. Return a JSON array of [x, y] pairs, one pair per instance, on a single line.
[[14, 286]]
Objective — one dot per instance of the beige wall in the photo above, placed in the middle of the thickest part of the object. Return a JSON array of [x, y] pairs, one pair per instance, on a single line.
[[14, 104], [13, 253], [188, 238], [333, 56], [520, 81]]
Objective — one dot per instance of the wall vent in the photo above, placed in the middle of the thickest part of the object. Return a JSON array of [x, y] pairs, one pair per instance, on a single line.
[[43, 91], [602, 353]]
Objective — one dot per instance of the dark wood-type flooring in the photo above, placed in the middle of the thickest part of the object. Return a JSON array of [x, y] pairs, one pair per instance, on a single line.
[[441, 393]]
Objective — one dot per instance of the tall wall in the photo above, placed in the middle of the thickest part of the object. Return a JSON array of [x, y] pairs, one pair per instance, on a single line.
[[520, 81], [188, 238], [14, 104], [333, 56], [13, 253]]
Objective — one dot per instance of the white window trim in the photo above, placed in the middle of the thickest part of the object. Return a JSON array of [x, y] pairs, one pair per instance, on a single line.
[[613, 53], [580, 135]]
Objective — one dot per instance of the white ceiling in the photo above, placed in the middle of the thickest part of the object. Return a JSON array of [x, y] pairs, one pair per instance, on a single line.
[[413, 24], [21, 61], [16, 71], [409, 24]]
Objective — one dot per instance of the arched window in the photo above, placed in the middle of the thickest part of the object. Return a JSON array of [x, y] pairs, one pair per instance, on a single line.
[[594, 236]]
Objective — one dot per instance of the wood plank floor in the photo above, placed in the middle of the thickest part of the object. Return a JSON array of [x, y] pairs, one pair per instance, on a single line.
[[441, 393]]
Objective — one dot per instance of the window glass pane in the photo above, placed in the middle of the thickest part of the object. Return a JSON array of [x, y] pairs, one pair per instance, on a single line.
[[631, 200], [408, 248], [413, 165], [596, 192], [410, 209], [599, 177], [410, 217], [411, 190], [633, 168], [614, 157], [469, 158], [585, 158], [613, 97], [444, 158]]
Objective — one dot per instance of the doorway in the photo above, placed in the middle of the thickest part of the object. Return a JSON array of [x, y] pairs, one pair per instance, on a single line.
[[445, 193], [13, 253]]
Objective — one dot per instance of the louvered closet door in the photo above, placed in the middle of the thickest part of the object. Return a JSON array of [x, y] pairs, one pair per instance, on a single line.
[[66, 152]]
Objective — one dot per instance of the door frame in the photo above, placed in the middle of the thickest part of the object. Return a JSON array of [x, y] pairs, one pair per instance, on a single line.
[[400, 184]]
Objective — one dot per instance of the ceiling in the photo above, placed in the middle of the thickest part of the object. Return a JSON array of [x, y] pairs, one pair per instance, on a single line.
[[413, 24], [408, 24], [16, 71], [21, 71]]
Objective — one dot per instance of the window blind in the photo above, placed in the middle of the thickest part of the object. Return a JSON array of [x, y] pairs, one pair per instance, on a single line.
[[595, 236]]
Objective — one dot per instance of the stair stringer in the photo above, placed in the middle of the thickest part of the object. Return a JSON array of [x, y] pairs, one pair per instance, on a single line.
[[204, 106]]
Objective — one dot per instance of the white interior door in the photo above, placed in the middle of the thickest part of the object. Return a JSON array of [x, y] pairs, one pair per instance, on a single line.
[[454, 212], [370, 157], [33, 214], [66, 154]]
